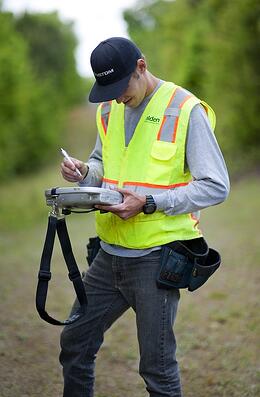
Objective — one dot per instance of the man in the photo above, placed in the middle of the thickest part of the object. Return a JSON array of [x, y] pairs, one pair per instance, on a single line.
[[156, 146]]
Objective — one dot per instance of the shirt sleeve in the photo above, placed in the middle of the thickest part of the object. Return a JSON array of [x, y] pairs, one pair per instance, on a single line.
[[210, 184], [95, 164]]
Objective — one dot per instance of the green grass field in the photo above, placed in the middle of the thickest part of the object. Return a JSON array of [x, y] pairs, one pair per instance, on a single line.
[[217, 327]]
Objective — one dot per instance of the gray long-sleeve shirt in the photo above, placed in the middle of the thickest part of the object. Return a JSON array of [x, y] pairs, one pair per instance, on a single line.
[[210, 185]]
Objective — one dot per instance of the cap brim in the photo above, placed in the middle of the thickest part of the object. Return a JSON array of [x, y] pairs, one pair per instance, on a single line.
[[103, 93]]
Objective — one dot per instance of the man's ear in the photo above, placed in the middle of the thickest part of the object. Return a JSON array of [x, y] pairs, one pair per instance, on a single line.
[[141, 65]]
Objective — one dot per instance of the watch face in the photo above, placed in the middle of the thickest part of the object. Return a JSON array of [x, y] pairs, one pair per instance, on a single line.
[[149, 208]]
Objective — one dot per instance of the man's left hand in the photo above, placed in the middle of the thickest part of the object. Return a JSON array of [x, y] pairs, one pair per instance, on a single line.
[[132, 205]]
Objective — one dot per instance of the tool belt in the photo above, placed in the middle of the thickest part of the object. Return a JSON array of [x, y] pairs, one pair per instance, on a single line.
[[187, 264]]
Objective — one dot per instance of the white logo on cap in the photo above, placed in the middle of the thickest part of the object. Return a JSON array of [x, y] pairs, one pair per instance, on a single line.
[[105, 73]]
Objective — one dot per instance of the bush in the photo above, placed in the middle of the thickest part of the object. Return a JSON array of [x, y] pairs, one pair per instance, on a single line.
[[38, 82]]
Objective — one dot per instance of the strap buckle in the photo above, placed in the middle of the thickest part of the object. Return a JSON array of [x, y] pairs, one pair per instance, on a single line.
[[44, 275], [74, 275]]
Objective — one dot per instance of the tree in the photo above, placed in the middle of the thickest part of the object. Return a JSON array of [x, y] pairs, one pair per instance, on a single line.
[[38, 81], [212, 48], [52, 45]]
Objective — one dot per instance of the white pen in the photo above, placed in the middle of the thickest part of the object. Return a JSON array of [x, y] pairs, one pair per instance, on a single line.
[[67, 157]]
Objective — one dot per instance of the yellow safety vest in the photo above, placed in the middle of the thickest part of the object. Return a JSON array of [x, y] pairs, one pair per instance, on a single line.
[[153, 162]]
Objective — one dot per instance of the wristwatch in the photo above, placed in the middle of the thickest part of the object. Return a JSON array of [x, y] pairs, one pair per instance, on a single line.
[[150, 206]]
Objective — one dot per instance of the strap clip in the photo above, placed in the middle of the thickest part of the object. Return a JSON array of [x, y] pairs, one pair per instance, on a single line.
[[74, 275], [44, 275]]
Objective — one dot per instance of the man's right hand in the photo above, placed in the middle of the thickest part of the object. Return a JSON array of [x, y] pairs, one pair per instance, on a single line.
[[68, 171]]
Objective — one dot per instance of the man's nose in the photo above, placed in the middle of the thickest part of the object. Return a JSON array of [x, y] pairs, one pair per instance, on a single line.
[[119, 99]]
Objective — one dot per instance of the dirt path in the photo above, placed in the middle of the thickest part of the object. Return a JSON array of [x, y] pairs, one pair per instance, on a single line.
[[217, 327]]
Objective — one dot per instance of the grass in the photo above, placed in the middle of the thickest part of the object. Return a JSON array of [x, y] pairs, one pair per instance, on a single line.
[[22, 201], [217, 327]]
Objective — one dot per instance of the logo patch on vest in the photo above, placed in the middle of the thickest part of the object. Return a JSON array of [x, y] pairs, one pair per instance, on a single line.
[[152, 119]]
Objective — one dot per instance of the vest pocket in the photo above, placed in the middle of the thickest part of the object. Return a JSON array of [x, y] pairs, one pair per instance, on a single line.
[[162, 150], [161, 162]]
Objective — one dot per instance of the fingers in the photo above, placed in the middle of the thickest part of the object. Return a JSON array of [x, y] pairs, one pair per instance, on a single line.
[[83, 167], [79, 165], [68, 170], [113, 208], [131, 206], [123, 191]]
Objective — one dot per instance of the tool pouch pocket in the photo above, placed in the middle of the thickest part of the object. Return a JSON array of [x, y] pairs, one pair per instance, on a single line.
[[201, 272], [93, 247], [187, 264]]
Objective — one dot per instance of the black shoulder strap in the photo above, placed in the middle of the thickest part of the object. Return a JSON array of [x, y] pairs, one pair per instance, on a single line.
[[44, 275]]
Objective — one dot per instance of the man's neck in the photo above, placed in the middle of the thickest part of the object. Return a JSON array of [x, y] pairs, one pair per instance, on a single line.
[[152, 82]]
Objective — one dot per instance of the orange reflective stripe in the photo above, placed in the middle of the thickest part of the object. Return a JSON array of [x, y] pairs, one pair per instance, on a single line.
[[155, 185], [145, 184], [193, 217], [205, 108], [184, 100], [110, 181], [160, 130], [164, 117], [104, 124], [105, 115], [177, 118]]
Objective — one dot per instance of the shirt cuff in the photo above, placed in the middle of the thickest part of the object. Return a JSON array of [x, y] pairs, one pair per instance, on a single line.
[[88, 178], [162, 201]]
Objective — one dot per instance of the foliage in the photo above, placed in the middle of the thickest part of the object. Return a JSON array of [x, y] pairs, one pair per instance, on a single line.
[[38, 81], [212, 48], [52, 44]]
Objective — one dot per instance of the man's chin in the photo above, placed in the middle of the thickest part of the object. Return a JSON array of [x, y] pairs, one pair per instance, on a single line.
[[128, 103]]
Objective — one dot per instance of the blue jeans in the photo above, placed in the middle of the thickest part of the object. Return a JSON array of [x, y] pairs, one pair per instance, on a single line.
[[113, 285]]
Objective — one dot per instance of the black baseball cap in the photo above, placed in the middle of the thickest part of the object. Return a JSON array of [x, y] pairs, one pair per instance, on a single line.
[[112, 61]]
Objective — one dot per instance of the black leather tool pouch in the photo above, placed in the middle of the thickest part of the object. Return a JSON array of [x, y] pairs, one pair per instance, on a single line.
[[187, 264]]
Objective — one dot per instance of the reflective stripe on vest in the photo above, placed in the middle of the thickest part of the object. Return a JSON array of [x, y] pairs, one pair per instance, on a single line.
[[171, 115], [105, 113]]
